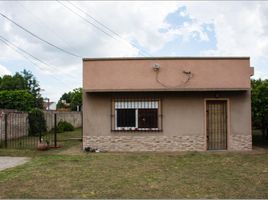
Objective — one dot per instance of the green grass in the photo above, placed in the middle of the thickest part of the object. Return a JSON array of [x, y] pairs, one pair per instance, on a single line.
[[52, 174], [30, 142], [139, 175], [64, 142]]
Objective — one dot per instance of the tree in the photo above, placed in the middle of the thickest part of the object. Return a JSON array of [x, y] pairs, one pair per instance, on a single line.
[[24, 82], [260, 104], [33, 87], [16, 99], [15, 82], [64, 101], [76, 99], [71, 100], [37, 122]]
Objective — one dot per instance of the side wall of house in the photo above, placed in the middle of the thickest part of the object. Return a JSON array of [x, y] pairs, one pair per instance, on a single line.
[[183, 123]]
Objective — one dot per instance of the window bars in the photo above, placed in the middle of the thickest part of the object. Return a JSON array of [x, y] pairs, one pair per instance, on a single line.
[[136, 114]]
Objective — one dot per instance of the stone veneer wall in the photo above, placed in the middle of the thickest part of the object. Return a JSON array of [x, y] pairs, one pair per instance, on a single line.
[[161, 143], [145, 143], [240, 142]]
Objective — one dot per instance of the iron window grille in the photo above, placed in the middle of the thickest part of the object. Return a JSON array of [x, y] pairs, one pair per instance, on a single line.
[[136, 114]]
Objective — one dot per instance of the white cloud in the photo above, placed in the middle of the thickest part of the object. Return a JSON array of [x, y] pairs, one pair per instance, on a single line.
[[240, 29], [239, 26], [135, 22], [4, 71]]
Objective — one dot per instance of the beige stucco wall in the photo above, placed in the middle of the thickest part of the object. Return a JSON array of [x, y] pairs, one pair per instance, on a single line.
[[138, 74], [183, 122]]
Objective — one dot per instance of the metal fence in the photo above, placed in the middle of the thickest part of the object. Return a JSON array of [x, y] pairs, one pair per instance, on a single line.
[[15, 132]]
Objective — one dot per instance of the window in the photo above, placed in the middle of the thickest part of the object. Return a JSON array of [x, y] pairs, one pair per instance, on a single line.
[[126, 118], [136, 115], [147, 118]]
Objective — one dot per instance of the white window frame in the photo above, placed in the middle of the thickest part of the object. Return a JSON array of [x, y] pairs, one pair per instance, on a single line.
[[154, 104]]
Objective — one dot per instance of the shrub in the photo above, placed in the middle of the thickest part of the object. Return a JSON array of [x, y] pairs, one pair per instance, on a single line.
[[37, 122], [64, 126]]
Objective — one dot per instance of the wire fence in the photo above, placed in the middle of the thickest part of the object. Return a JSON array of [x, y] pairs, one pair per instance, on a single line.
[[15, 129]]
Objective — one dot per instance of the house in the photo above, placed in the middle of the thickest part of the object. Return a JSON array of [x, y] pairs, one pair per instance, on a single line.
[[50, 105], [167, 103]]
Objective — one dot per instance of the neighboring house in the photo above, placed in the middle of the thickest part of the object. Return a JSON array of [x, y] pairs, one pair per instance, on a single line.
[[50, 105], [167, 104]]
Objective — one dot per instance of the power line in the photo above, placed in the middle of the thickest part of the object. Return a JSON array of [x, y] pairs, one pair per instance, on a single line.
[[29, 54], [36, 36], [32, 56], [103, 31], [37, 18], [6, 41], [85, 19], [15, 48], [3, 41], [106, 27]]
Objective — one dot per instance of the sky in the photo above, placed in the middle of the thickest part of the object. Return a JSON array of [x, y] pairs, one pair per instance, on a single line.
[[70, 31]]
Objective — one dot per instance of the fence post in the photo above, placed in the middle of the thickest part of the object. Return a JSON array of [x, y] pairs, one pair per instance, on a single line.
[[82, 123], [40, 132], [6, 120], [55, 129]]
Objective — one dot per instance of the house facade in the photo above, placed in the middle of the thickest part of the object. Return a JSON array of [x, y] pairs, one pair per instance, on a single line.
[[167, 103]]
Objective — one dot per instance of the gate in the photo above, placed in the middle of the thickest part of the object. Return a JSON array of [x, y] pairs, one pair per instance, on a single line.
[[14, 129], [14, 132], [216, 121]]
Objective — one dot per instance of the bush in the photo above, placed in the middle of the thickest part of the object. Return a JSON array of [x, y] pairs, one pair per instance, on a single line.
[[37, 122], [64, 126]]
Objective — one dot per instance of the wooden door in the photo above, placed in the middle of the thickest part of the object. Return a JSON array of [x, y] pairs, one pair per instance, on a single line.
[[216, 121]]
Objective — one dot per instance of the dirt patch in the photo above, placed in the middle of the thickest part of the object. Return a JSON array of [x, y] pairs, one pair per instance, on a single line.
[[74, 150]]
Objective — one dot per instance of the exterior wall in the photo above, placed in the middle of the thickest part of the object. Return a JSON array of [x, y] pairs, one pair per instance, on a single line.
[[183, 122], [18, 125], [138, 74], [74, 118]]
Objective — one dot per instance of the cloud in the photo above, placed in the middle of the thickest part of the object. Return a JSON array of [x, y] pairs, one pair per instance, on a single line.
[[135, 22], [239, 26], [4, 71], [171, 28]]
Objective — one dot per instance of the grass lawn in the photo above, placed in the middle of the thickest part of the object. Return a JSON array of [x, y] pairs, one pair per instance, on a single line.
[[57, 174], [65, 141]]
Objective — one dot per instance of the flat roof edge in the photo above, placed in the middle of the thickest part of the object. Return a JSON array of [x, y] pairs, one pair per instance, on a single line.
[[168, 58], [167, 90]]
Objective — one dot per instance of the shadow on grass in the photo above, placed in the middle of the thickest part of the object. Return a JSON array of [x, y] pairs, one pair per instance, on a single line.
[[258, 140]]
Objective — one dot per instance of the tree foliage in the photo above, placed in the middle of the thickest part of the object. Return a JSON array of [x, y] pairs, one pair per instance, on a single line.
[[16, 99], [23, 83], [260, 104], [37, 122], [76, 98], [71, 100]]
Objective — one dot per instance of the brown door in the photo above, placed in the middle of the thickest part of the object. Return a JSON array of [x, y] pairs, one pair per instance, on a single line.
[[216, 124]]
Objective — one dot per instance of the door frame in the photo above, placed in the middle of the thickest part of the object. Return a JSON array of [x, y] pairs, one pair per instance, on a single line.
[[228, 120]]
